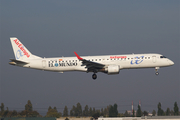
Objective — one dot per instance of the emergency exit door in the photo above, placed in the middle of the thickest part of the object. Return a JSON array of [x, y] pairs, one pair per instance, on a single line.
[[153, 59]]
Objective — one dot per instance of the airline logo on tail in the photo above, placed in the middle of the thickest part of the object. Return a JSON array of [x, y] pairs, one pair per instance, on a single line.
[[21, 47]]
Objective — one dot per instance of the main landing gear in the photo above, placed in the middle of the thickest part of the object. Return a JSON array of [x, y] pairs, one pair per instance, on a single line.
[[94, 76], [156, 68]]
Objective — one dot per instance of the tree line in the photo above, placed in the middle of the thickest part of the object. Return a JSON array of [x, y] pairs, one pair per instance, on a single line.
[[27, 112], [160, 111], [78, 111]]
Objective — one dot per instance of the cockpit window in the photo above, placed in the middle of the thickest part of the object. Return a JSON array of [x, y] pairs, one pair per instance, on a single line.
[[162, 57]]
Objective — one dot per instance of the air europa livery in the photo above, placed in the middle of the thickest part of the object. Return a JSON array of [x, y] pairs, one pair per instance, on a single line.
[[109, 64]]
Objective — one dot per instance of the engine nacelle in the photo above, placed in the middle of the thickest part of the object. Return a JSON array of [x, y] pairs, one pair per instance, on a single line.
[[112, 69]]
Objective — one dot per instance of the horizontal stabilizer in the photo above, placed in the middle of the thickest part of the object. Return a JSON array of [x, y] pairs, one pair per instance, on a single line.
[[14, 62]]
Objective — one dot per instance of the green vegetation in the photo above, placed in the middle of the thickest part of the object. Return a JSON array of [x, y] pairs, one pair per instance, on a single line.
[[139, 112], [113, 112], [176, 109], [65, 112], [53, 113], [28, 112], [160, 111], [77, 111]]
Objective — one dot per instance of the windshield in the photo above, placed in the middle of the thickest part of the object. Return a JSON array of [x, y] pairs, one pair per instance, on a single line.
[[162, 57]]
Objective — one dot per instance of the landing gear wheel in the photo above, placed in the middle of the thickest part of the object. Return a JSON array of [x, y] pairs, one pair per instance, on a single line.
[[157, 73], [94, 76], [156, 68]]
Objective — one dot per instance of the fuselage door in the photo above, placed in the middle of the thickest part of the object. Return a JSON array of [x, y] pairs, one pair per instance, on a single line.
[[43, 63], [154, 59]]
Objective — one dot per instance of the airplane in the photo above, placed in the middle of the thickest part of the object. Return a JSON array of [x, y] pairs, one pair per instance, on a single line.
[[109, 64]]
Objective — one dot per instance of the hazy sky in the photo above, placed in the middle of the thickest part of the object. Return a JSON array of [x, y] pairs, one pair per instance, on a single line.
[[58, 28]]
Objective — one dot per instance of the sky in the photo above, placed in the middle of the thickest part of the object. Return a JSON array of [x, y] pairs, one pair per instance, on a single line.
[[58, 28]]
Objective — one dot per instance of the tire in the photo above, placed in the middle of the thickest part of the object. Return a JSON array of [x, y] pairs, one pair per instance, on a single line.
[[94, 76], [157, 73]]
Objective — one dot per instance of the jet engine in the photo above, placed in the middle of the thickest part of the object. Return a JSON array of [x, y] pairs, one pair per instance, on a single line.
[[112, 69]]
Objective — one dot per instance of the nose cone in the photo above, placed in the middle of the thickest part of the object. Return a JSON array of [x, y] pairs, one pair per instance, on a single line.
[[171, 62]]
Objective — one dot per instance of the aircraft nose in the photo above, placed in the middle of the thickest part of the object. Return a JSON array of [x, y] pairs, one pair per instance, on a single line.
[[171, 62]]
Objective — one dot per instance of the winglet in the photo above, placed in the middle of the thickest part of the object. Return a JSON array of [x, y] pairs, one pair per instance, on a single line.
[[78, 56]]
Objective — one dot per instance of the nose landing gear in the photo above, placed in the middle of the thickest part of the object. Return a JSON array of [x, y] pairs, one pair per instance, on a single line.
[[157, 73], [156, 68]]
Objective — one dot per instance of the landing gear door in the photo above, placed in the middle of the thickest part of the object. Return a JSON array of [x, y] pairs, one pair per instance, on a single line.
[[154, 59], [44, 63]]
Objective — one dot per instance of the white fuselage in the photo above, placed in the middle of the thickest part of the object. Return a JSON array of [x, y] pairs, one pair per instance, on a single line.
[[130, 61], [109, 64]]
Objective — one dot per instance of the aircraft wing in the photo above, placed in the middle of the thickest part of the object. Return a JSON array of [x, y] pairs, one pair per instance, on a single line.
[[91, 66]]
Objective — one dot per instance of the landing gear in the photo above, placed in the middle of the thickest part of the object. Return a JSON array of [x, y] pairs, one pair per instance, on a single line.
[[157, 73], [94, 76], [156, 68]]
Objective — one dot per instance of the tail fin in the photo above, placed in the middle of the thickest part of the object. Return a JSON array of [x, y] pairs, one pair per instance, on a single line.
[[20, 51]]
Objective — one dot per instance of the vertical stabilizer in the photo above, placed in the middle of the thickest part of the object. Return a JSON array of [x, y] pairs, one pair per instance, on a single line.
[[20, 51]]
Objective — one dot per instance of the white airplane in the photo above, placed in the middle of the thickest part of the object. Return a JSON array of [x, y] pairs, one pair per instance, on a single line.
[[109, 64]]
